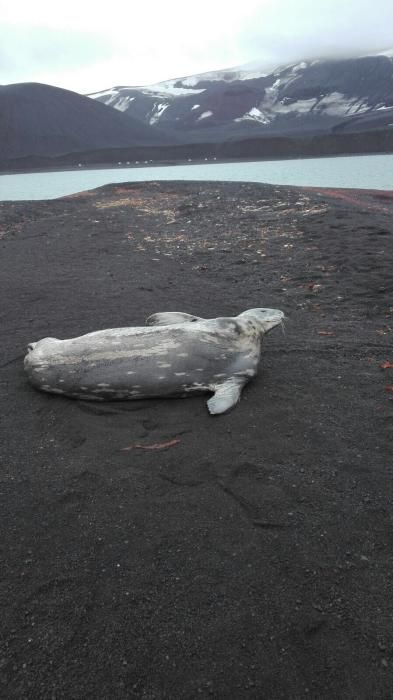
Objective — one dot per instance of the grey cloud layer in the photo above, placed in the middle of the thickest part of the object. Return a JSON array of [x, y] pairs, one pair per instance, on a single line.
[[26, 51], [292, 31], [273, 34]]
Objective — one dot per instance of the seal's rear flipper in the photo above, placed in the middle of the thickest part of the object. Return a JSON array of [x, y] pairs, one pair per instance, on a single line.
[[226, 396]]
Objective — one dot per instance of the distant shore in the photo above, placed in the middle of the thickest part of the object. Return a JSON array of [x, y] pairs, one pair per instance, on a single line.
[[168, 162], [279, 147]]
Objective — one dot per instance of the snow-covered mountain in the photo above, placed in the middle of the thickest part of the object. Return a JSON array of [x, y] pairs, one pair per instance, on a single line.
[[318, 107], [319, 96]]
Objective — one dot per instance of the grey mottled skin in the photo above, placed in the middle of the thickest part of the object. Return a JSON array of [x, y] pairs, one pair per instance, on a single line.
[[176, 354]]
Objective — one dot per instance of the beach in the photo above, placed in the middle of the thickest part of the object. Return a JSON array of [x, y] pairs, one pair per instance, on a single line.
[[150, 550]]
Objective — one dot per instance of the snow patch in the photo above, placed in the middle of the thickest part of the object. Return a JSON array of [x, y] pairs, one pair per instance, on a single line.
[[251, 75], [299, 66], [158, 110], [204, 115], [104, 93], [168, 88], [254, 114], [123, 103], [195, 107], [333, 104], [192, 80], [388, 53], [246, 72], [337, 104]]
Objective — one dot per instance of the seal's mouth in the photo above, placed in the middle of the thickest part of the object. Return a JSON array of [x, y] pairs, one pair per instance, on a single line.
[[273, 322]]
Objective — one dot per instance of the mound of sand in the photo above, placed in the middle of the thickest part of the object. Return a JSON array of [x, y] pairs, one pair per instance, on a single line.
[[251, 556]]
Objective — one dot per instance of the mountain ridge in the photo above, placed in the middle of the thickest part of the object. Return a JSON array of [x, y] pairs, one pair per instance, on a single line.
[[319, 107], [310, 96]]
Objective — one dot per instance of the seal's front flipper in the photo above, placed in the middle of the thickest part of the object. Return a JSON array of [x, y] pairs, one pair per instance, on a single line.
[[226, 397]]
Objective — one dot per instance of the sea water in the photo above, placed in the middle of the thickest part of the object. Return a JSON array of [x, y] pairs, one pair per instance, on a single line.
[[366, 171]]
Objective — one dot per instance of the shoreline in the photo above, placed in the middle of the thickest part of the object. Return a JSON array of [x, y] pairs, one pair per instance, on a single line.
[[169, 163]]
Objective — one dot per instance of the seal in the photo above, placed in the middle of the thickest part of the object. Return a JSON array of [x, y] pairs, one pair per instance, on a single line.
[[175, 354]]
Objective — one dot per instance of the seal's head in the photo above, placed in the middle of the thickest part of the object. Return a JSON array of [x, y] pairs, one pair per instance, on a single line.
[[263, 320]]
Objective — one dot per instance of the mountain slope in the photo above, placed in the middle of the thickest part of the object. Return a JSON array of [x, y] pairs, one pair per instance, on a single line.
[[42, 120], [311, 97]]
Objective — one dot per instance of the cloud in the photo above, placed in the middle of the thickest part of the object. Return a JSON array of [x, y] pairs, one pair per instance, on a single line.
[[89, 46], [26, 52], [290, 31]]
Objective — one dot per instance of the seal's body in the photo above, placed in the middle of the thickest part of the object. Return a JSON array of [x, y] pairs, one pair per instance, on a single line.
[[175, 355]]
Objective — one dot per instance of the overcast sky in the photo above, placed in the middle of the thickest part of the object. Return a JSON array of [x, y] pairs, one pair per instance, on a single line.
[[88, 46]]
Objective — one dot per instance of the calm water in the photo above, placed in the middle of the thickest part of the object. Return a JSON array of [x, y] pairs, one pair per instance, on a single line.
[[370, 172]]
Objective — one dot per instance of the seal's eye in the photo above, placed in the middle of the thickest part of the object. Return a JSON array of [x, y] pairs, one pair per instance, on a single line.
[[193, 320]]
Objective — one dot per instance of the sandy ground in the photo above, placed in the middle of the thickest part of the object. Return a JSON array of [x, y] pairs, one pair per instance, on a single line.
[[251, 557]]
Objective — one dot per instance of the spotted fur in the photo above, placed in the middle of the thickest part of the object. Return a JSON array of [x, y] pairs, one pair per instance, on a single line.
[[176, 354]]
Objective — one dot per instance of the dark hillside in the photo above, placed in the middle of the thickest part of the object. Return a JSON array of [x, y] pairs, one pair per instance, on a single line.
[[41, 120]]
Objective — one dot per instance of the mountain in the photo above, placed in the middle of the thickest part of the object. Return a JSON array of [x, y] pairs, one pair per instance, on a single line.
[[312, 108], [41, 120], [312, 97]]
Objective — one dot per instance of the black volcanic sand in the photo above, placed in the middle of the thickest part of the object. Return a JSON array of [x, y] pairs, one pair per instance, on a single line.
[[253, 558]]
